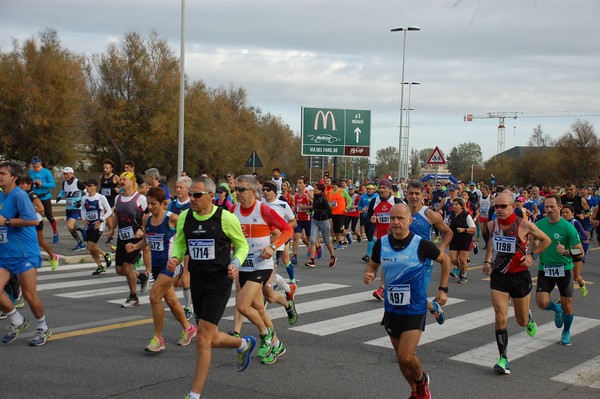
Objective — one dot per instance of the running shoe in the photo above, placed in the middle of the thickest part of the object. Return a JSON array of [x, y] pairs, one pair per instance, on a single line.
[[277, 351], [99, 270], [437, 239], [294, 260], [79, 247], [366, 258], [311, 264], [349, 237], [108, 259], [19, 302], [144, 279], [188, 313], [235, 334], [139, 263], [187, 335], [475, 248], [55, 238], [558, 317], [332, 261], [54, 261], [290, 295], [308, 253], [565, 338], [583, 290], [157, 344], [131, 302], [13, 332], [531, 326], [358, 238], [266, 343], [454, 272], [423, 387], [339, 247], [502, 367], [437, 309], [3, 316], [243, 357], [462, 280], [109, 240], [40, 337], [319, 251], [378, 294], [291, 313]]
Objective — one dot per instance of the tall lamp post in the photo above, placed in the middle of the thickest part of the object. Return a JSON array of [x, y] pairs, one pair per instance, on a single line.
[[410, 28], [407, 129], [181, 94]]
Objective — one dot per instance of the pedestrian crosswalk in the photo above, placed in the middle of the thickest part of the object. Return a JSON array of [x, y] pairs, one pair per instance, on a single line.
[[353, 310]]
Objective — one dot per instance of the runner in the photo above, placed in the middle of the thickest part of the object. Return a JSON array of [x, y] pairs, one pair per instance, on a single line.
[[568, 214], [95, 211], [556, 265], [27, 184], [320, 223], [19, 254], [43, 181], [109, 186], [207, 233], [257, 222], [129, 209], [303, 200], [508, 261], [404, 259], [73, 191], [365, 220]]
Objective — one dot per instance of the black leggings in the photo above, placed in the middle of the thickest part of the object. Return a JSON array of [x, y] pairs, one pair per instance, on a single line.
[[48, 209]]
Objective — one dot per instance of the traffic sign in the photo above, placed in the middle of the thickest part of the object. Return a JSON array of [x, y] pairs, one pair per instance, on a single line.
[[436, 157], [253, 161], [336, 132]]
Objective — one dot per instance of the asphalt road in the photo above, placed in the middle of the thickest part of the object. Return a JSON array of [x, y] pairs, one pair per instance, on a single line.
[[337, 349]]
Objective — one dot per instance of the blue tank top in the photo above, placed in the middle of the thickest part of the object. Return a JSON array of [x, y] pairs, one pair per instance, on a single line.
[[405, 278], [177, 207], [92, 210], [160, 238], [420, 226]]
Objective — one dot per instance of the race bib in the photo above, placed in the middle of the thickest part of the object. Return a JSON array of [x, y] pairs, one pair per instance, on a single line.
[[398, 295], [505, 244], [202, 249], [3, 235], [249, 262], [105, 191], [333, 204], [69, 202], [156, 242], [554, 271], [92, 215], [383, 217], [126, 233]]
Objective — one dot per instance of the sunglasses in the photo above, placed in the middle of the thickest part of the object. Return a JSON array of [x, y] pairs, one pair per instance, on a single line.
[[241, 189], [501, 206], [199, 194], [266, 189]]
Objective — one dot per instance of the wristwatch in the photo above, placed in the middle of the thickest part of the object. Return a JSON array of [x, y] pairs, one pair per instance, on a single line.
[[274, 247], [7, 222], [534, 255], [445, 289]]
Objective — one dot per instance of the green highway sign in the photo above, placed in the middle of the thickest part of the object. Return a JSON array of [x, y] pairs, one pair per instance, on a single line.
[[336, 132]]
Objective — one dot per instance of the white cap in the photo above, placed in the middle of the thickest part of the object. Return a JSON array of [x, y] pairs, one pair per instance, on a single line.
[[68, 169]]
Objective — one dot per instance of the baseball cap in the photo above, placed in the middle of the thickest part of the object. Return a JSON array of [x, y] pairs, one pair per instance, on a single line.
[[471, 183], [521, 199], [385, 183], [452, 188], [36, 159], [68, 169]]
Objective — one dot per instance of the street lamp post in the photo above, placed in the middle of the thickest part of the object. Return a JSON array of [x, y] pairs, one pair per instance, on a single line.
[[180, 146], [410, 28], [407, 129]]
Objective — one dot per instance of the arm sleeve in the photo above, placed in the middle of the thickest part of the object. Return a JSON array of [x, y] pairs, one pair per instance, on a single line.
[[233, 230], [179, 247], [276, 221], [48, 180], [105, 207], [348, 199]]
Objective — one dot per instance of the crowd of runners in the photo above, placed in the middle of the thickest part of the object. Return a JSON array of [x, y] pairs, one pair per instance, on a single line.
[[210, 235]]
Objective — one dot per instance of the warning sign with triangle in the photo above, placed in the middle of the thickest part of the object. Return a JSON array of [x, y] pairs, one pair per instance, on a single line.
[[436, 158]]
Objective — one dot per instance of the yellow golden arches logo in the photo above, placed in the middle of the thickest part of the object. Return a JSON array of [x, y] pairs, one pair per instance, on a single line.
[[325, 118]]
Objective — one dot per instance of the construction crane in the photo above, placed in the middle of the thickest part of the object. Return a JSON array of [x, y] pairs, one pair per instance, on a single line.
[[514, 115]]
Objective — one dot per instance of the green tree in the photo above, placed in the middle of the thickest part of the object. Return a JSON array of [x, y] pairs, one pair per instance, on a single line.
[[387, 160], [42, 101], [462, 158], [578, 150]]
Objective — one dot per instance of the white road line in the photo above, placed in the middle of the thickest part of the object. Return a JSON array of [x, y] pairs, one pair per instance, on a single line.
[[58, 276], [81, 283], [75, 266], [303, 290], [339, 324], [585, 375], [521, 344]]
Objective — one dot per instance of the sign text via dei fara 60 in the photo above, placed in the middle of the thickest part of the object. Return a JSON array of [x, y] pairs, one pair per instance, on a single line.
[[336, 132]]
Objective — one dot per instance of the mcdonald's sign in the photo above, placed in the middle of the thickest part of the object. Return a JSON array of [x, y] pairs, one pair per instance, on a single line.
[[336, 132]]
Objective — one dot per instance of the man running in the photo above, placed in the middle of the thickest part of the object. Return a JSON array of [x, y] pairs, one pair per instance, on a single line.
[[403, 256], [507, 259], [556, 266], [206, 233], [95, 211], [19, 254], [43, 181], [73, 191], [109, 186]]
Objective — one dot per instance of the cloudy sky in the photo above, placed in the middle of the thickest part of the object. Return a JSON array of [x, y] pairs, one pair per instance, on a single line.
[[470, 56]]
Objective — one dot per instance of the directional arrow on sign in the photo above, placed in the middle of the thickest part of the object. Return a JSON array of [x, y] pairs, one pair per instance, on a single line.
[[357, 131]]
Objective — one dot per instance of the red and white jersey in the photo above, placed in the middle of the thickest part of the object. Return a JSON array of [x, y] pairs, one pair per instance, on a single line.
[[381, 210], [257, 233], [302, 199]]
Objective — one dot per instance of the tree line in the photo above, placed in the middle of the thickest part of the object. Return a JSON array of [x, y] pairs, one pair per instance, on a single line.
[[123, 104]]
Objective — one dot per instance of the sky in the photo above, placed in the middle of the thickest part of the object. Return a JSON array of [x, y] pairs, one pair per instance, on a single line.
[[537, 57]]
